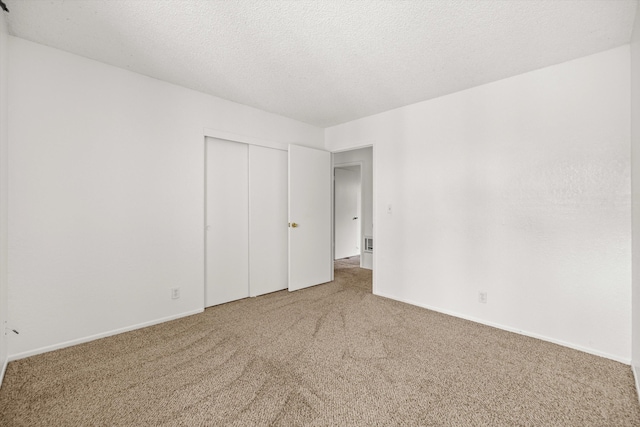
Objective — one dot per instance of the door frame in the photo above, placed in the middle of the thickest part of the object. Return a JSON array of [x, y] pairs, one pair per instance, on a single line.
[[374, 221], [361, 231]]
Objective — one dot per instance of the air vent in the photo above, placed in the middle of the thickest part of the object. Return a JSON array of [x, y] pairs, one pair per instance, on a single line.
[[368, 244]]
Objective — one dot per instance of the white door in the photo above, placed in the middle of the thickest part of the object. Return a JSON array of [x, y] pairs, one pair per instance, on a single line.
[[267, 220], [310, 211], [227, 238], [347, 212]]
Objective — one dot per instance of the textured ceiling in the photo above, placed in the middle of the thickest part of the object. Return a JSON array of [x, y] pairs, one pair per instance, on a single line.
[[326, 62]]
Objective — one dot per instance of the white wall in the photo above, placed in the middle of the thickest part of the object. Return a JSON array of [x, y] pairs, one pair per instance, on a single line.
[[365, 156], [635, 164], [3, 192], [520, 188], [106, 194]]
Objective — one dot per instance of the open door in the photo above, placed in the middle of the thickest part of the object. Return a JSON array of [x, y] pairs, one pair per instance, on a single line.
[[346, 205], [310, 258]]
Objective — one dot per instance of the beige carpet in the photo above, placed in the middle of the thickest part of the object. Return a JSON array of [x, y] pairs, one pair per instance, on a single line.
[[330, 355]]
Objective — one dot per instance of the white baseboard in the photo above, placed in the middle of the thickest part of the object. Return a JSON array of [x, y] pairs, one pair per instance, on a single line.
[[3, 370], [58, 346], [637, 378], [515, 330]]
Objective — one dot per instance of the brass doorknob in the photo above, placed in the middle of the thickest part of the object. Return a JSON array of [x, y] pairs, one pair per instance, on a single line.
[[294, 225]]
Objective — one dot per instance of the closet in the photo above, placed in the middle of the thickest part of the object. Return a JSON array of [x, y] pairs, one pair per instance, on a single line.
[[246, 221]]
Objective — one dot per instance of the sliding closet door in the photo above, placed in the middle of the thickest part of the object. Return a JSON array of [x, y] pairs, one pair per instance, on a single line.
[[268, 245], [227, 253]]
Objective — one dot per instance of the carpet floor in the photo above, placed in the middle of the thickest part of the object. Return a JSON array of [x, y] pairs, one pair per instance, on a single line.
[[330, 355]]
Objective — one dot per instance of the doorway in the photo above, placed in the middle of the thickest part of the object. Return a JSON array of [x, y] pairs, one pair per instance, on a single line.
[[353, 206]]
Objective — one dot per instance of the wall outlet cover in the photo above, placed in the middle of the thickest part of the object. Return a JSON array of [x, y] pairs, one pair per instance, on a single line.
[[482, 297]]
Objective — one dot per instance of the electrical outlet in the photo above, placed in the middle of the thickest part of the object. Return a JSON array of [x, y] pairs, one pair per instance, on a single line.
[[175, 293], [482, 297]]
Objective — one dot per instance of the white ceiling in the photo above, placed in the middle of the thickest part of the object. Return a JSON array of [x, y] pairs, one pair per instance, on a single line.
[[327, 62]]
